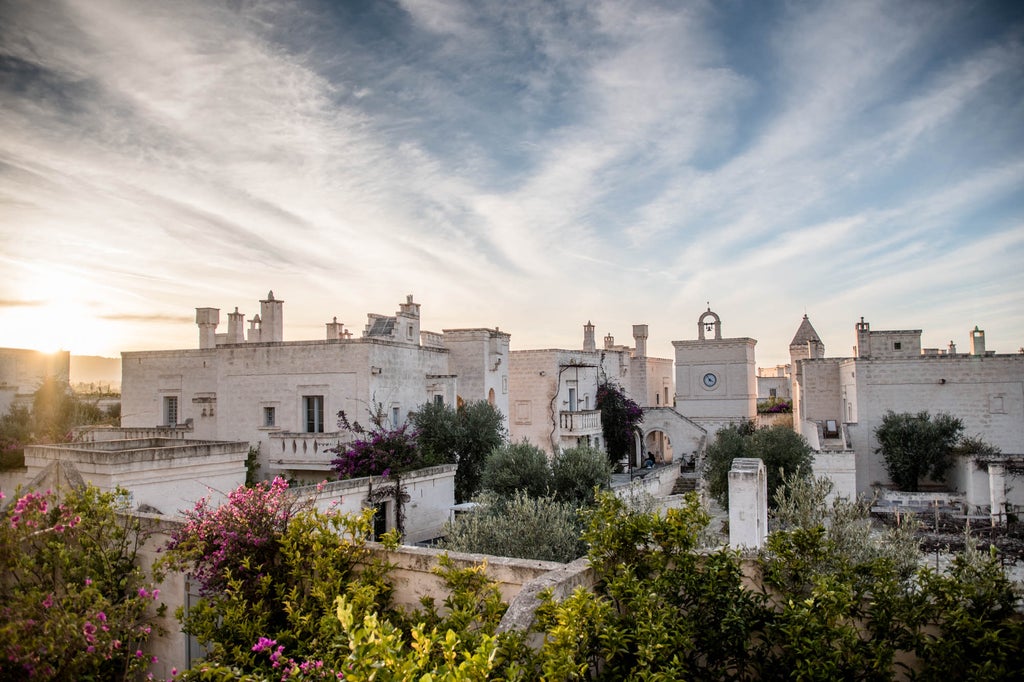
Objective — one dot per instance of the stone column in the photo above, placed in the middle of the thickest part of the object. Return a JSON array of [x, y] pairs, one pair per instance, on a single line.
[[748, 503], [997, 492]]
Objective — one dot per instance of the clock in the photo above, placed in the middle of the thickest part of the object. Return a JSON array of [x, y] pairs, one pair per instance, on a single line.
[[710, 380]]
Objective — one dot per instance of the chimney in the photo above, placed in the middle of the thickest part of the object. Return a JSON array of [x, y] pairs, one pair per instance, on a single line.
[[952, 348], [335, 330], [236, 327], [640, 340], [588, 337], [207, 319], [609, 341], [977, 341], [272, 319]]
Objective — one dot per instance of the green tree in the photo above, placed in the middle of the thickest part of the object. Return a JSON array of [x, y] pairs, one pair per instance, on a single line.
[[577, 472], [783, 450], [917, 446], [463, 436], [620, 418], [517, 466]]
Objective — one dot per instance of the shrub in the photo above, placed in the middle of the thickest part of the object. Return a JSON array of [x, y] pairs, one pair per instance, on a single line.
[[576, 472], [73, 602], [517, 466], [522, 526], [269, 566]]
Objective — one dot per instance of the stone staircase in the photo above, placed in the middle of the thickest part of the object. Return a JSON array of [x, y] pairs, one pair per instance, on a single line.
[[684, 484]]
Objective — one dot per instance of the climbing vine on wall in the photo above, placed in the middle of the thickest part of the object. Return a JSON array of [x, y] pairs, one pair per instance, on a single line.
[[620, 417]]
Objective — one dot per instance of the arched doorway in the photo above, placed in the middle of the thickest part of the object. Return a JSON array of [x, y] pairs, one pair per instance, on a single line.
[[658, 443]]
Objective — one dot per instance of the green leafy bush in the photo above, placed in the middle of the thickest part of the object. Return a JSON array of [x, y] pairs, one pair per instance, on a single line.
[[577, 472], [543, 528], [517, 466]]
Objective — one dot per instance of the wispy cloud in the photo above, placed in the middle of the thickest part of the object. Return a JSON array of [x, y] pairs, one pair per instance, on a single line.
[[571, 159]]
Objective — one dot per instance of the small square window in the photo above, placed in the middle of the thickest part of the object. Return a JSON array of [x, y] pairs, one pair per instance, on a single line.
[[897, 345], [269, 416]]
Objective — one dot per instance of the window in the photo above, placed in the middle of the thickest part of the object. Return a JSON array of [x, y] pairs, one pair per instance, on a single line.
[[269, 416], [394, 417], [380, 520], [313, 412], [772, 392], [171, 410], [657, 399], [439, 399], [896, 345], [572, 399]]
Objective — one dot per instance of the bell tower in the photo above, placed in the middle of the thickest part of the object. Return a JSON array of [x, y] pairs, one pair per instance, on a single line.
[[716, 380]]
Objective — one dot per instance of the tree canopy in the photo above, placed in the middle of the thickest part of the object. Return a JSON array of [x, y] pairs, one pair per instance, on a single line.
[[917, 446], [463, 436], [783, 450]]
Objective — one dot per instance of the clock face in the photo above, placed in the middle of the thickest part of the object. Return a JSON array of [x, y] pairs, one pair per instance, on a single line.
[[710, 380]]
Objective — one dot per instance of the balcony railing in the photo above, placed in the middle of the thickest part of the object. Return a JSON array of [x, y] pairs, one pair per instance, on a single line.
[[580, 423]]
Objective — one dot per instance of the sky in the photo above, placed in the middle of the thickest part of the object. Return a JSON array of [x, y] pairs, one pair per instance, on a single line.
[[529, 165]]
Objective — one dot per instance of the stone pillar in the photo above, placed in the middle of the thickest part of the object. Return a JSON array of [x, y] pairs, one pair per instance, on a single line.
[[748, 503], [997, 493]]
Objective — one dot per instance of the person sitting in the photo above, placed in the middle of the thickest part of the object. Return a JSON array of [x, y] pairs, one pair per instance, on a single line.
[[649, 462]]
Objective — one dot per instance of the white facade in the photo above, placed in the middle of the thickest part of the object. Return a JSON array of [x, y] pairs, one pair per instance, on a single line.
[[847, 398], [716, 383], [285, 396]]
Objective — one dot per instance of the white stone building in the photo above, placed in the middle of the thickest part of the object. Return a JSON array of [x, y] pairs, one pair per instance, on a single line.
[[554, 396], [839, 402], [284, 396]]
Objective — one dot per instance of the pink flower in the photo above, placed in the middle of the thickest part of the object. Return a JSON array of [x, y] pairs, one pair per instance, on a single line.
[[88, 581], [101, 616], [48, 602], [138, 653]]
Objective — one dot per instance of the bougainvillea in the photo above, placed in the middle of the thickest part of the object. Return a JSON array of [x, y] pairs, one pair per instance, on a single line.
[[620, 417], [73, 602], [380, 450], [269, 565], [214, 539]]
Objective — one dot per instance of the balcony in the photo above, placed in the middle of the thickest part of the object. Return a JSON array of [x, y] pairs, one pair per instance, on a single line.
[[303, 451], [580, 423]]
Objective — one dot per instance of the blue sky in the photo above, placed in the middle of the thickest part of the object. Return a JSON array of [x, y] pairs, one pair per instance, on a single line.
[[528, 165]]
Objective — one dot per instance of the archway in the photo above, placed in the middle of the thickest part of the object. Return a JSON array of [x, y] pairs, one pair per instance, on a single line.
[[659, 444]]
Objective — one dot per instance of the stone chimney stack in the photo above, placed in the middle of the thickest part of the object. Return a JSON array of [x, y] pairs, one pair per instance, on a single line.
[[236, 327], [977, 341], [640, 340], [952, 348], [588, 337], [207, 319], [407, 321], [271, 319], [335, 330], [609, 341]]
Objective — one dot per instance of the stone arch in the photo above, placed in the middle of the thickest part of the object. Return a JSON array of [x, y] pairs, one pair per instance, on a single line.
[[709, 322], [687, 438]]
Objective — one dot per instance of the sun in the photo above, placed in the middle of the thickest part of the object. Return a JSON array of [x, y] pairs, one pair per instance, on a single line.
[[51, 311]]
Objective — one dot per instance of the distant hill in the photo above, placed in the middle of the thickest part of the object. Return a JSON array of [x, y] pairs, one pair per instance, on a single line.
[[93, 369]]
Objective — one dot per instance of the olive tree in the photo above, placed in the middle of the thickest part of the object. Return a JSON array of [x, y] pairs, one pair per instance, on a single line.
[[917, 446]]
